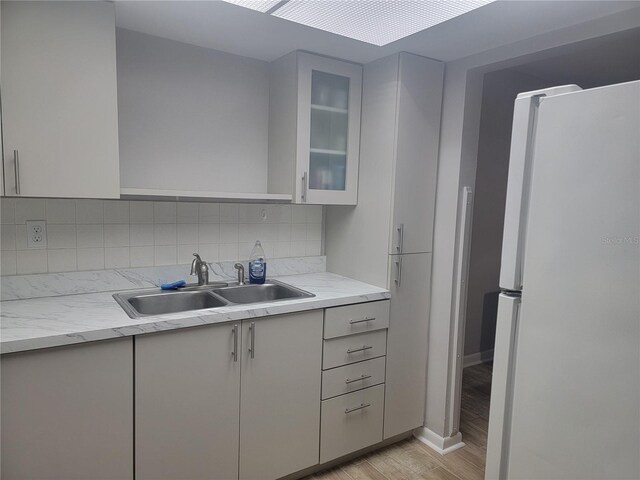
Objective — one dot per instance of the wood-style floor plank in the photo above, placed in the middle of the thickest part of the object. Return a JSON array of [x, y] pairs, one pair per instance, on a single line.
[[413, 460]]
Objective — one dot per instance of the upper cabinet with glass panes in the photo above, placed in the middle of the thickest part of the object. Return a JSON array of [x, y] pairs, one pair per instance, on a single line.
[[314, 129]]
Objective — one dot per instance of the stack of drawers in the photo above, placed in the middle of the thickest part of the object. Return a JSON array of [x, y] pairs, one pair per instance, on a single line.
[[353, 376]]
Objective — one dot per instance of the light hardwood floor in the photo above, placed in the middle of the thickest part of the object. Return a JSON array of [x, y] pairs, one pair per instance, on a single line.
[[411, 459]]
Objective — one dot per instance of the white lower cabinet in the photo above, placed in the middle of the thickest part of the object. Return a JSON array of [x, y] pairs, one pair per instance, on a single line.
[[187, 403], [280, 401], [67, 412]]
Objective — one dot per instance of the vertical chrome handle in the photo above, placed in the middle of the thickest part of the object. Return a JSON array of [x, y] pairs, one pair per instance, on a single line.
[[303, 195], [235, 343], [398, 279], [16, 160], [252, 346], [400, 246]]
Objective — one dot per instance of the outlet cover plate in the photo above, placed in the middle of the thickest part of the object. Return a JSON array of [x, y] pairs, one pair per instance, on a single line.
[[36, 234]]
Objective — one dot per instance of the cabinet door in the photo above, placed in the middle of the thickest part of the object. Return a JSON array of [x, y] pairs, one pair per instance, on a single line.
[[329, 98], [187, 402], [59, 100], [407, 343], [280, 404], [417, 135], [67, 412]]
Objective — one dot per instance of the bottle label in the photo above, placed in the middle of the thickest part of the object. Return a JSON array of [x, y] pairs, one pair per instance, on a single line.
[[257, 271]]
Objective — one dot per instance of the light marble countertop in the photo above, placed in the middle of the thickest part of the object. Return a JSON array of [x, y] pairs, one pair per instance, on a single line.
[[63, 320]]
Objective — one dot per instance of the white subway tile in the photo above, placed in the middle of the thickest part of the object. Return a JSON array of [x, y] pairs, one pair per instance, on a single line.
[[164, 234], [314, 213], [164, 255], [116, 211], [116, 235], [228, 213], [298, 232], [282, 249], [298, 249], [31, 261], [29, 209], [251, 213], [208, 233], [313, 248], [209, 213], [60, 211], [7, 211], [185, 253], [229, 233], [187, 234], [63, 260], [61, 236], [141, 256], [21, 237], [140, 235], [208, 252], [164, 212], [8, 263], [90, 236], [269, 232], [8, 237], [90, 258], [116, 257], [314, 232], [298, 214], [187, 212], [89, 212], [244, 250], [284, 232], [141, 212], [228, 252]]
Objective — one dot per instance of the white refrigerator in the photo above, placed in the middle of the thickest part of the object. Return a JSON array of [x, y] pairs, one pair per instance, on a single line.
[[565, 397]]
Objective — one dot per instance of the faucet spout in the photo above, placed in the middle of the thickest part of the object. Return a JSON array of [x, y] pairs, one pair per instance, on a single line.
[[240, 268], [200, 268]]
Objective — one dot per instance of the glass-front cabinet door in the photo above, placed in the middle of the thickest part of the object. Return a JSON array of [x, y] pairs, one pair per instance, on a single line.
[[329, 98]]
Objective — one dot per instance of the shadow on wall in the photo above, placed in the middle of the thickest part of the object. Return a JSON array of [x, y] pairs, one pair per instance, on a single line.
[[488, 324]]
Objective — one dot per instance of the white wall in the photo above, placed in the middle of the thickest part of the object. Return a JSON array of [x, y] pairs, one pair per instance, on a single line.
[[180, 103], [499, 92], [457, 168]]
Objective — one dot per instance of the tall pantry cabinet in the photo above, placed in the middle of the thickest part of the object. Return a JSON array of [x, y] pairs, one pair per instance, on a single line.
[[386, 239]]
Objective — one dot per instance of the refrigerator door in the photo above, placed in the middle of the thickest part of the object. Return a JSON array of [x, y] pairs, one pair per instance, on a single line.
[[575, 412], [501, 383], [515, 219]]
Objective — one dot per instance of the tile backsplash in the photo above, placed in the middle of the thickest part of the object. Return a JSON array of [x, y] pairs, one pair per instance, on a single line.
[[104, 234]]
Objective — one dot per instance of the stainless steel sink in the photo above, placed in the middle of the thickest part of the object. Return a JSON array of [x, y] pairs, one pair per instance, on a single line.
[[146, 303], [271, 291], [138, 304]]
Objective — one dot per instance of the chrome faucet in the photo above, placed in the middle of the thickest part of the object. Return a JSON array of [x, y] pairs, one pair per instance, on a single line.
[[201, 269], [240, 268]]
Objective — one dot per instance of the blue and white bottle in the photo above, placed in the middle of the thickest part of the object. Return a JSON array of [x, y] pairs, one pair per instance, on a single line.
[[257, 264]]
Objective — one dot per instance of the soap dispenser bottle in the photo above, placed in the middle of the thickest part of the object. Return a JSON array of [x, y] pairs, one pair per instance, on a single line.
[[257, 264]]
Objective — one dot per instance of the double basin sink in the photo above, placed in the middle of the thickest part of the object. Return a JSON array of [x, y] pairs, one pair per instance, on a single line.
[[146, 303]]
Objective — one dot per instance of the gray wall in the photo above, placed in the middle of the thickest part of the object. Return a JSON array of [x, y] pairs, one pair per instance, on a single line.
[[499, 92], [177, 103]]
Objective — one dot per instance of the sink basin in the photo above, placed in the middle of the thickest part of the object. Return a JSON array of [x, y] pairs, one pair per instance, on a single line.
[[271, 291], [138, 304]]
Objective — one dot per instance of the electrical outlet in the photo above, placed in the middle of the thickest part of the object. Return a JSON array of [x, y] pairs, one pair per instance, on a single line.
[[36, 234]]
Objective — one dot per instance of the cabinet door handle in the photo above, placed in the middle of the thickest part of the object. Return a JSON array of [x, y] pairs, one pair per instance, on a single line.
[[303, 194], [398, 279], [361, 349], [252, 346], [355, 409], [16, 160], [400, 246], [365, 319], [234, 354], [359, 379]]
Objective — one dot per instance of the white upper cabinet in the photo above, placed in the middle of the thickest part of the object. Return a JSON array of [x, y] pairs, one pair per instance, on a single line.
[[59, 100], [314, 129]]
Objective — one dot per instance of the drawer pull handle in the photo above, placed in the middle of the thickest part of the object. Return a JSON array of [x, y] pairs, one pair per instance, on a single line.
[[361, 349], [355, 409], [360, 378], [365, 319]]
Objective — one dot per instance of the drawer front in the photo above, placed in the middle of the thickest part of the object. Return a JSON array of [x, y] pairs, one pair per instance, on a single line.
[[354, 348], [350, 378], [363, 317], [351, 422]]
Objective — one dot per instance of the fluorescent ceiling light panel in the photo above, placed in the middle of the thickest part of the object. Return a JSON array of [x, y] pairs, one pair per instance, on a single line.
[[259, 5]]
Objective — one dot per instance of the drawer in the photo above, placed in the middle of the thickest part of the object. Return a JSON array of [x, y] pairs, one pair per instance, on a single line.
[[350, 378], [354, 348], [351, 422], [363, 317]]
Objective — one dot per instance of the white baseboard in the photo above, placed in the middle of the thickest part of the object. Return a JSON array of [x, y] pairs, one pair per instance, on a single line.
[[440, 444], [477, 358]]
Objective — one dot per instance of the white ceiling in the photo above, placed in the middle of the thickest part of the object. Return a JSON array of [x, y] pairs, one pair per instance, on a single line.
[[234, 29]]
